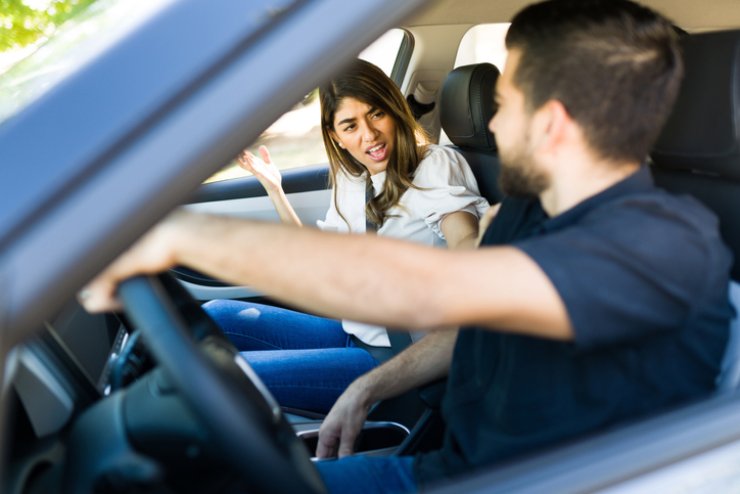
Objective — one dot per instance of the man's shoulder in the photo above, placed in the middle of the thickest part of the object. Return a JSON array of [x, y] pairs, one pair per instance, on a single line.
[[651, 231], [655, 208], [647, 230]]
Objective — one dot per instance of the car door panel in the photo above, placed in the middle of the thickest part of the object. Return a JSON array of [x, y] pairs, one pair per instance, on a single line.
[[307, 190]]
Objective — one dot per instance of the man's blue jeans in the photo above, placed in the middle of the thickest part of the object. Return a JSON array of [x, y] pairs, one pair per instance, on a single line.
[[306, 361], [368, 475]]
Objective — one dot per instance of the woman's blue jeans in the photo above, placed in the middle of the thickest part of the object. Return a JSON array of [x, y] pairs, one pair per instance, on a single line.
[[306, 361]]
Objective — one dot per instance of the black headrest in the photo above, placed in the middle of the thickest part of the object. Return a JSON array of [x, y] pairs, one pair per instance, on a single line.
[[467, 105], [703, 131]]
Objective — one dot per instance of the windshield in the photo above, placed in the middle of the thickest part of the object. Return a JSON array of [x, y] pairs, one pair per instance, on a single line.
[[74, 44]]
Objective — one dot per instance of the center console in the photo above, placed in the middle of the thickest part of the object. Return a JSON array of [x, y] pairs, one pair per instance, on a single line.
[[377, 438]]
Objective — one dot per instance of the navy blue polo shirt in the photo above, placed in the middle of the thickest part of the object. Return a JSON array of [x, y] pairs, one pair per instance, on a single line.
[[644, 277]]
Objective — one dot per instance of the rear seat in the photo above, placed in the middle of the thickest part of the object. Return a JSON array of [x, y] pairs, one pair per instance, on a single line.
[[466, 107], [699, 153]]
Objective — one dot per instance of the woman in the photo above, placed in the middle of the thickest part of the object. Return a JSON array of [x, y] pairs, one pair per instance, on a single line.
[[416, 191]]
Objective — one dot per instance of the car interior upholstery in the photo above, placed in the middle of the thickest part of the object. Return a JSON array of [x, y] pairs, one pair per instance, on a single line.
[[467, 106], [698, 152]]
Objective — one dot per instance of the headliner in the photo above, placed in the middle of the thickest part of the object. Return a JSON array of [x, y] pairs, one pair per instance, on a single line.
[[691, 15]]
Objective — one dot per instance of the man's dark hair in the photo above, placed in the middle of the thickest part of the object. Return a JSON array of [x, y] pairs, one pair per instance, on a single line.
[[614, 65]]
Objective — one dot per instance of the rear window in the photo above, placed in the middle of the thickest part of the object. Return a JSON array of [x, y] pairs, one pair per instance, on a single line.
[[483, 43]]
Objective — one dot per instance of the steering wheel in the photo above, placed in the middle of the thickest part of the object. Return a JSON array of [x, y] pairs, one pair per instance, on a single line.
[[219, 386]]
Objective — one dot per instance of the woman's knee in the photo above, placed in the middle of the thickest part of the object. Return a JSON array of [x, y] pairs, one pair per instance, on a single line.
[[236, 318], [224, 308]]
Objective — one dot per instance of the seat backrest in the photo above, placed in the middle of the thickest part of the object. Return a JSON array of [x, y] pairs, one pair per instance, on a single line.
[[466, 107], [698, 152], [729, 375]]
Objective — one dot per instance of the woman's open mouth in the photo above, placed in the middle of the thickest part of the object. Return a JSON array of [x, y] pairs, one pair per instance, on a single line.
[[378, 152]]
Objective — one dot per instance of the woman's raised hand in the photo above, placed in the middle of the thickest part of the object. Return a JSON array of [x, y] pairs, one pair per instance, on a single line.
[[264, 169], [269, 176]]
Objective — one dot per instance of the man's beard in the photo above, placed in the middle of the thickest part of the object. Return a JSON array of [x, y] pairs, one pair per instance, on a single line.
[[519, 176]]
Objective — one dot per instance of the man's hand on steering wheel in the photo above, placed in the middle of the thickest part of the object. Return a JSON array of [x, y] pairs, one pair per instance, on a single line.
[[152, 254]]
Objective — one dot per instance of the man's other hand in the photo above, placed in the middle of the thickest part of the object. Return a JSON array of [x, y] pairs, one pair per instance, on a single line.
[[344, 422]]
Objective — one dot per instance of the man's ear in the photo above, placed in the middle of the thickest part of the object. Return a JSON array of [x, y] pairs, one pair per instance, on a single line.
[[554, 125]]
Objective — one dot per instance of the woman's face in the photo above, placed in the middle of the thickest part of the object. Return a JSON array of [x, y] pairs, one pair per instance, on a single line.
[[366, 132]]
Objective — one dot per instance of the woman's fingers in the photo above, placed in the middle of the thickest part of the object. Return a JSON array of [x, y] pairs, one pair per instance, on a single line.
[[265, 154], [246, 161], [265, 171]]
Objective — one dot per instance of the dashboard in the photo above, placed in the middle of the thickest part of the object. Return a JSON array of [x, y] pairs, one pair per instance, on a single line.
[[75, 360]]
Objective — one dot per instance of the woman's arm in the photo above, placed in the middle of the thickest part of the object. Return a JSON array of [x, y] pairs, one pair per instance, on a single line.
[[460, 230], [463, 231], [269, 176]]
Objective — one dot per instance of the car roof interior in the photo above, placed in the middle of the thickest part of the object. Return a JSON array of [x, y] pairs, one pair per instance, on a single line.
[[690, 15]]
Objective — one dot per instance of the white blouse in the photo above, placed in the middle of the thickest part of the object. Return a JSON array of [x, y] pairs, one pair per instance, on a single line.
[[446, 184]]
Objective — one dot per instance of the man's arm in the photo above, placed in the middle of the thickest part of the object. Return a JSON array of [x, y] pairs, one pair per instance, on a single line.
[[419, 364], [370, 279], [416, 366]]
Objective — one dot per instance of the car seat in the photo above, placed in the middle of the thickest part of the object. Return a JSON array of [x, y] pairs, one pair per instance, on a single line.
[[466, 107], [698, 153]]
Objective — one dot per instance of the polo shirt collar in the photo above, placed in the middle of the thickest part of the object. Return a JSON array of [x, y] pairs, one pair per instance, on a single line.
[[636, 183]]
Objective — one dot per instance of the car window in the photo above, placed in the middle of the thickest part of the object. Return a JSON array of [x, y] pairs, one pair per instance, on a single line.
[[294, 140], [483, 43], [27, 72]]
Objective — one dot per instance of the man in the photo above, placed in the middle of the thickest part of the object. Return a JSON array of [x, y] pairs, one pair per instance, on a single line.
[[595, 297]]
